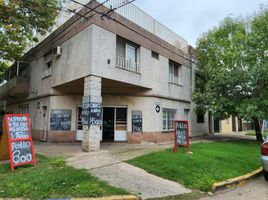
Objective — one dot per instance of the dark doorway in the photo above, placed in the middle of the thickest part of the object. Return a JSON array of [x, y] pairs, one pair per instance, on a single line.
[[240, 126], [108, 125], [210, 123], [233, 124], [216, 125]]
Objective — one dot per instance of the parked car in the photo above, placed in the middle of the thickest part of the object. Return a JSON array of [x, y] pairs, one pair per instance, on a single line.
[[264, 158]]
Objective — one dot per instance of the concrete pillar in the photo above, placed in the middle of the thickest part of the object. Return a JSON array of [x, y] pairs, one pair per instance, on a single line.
[[92, 133]]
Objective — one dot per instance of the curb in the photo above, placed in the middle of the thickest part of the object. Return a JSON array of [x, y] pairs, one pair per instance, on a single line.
[[236, 181], [119, 197], [122, 197]]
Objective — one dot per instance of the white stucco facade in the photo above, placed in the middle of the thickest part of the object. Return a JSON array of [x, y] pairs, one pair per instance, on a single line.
[[59, 83]]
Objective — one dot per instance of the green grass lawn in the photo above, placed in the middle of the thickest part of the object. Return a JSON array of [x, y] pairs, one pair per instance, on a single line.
[[252, 133], [51, 179], [209, 163]]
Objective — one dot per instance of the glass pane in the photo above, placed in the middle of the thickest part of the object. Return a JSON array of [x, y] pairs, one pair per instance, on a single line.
[[176, 74], [164, 120], [170, 120], [171, 72], [120, 48], [121, 115], [131, 53]]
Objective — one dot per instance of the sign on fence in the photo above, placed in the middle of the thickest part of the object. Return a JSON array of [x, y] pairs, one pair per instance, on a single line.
[[181, 134], [20, 143]]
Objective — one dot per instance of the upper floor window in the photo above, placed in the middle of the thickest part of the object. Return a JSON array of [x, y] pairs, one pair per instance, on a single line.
[[155, 55], [126, 55], [47, 69], [174, 73]]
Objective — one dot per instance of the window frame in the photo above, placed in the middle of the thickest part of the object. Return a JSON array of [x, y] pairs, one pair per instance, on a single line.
[[168, 118], [127, 44], [155, 55], [172, 77]]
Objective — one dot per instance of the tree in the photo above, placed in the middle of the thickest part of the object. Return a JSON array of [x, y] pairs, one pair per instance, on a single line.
[[20, 21], [231, 59]]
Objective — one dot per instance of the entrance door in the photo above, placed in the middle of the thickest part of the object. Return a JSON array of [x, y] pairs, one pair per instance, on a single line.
[[108, 124], [121, 125], [233, 124], [240, 124], [79, 131], [216, 125], [114, 124]]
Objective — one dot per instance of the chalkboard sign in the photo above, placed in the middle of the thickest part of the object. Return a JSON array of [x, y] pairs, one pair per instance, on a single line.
[[19, 140], [181, 134], [91, 113], [95, 117], [60, 119], [136, 121]]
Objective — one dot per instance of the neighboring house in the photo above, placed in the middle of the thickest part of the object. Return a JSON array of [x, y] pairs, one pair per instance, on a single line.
[[265, 124], [130, 67], [232, 124]]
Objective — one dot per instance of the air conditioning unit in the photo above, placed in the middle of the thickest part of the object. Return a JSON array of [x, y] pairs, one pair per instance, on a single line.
[[57, 51]]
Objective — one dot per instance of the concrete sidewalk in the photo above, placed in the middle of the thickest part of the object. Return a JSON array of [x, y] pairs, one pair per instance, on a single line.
[[138, 181], [108, 165]]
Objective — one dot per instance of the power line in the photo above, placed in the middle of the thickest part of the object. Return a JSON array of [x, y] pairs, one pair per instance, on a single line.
[[108, 13], [102, 14]]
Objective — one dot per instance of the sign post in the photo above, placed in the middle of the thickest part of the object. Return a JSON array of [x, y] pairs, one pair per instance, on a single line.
[[181, 135], [21, 151]]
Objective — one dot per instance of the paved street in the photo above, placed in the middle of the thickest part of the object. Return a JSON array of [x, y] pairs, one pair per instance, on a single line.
[[256, 189]]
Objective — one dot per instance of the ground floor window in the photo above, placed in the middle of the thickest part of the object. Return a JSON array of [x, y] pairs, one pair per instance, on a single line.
[[168, 116], [24, 109]]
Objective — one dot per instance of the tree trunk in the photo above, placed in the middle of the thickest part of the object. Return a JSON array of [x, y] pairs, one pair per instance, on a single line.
[[258, 129]]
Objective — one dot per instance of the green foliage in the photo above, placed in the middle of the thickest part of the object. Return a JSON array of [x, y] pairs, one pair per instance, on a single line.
[[209, 163], [234, 68], [20, 20], [51, 179]]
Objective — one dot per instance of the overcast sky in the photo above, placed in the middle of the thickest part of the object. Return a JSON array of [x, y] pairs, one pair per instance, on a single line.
[[191, 18]]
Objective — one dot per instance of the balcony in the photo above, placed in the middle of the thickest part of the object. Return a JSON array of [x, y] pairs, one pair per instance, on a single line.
[[17, 86], [128, 65]]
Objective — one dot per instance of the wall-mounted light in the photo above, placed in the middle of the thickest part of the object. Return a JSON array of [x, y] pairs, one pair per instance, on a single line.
[[34, 92], [38, 105]]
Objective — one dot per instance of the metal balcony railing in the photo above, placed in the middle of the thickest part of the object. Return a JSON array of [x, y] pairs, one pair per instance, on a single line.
[[125, 64]]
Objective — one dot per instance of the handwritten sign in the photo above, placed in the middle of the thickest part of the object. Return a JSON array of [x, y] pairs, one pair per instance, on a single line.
[[181, 134], [60, 119], [92, 112], [136, 121], [95, 113], [19, 140]]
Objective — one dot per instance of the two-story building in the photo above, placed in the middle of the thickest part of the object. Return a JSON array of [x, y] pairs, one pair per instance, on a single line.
[[127, 65]]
